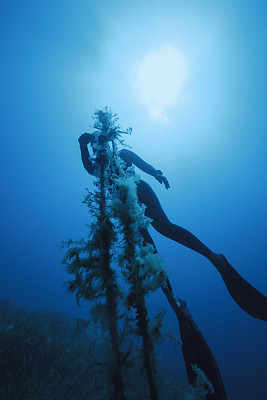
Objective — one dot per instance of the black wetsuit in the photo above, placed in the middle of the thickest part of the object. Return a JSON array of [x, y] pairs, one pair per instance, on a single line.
[[154, 210], [195, 348], [245, 295]]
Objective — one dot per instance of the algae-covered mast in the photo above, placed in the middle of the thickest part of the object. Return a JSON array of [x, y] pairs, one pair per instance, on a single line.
[[117, 213]]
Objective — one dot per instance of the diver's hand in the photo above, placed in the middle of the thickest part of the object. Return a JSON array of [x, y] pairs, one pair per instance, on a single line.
[[162, 179], [85, 138]]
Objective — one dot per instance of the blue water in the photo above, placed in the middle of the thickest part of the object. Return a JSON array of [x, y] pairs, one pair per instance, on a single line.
[[60, 61]]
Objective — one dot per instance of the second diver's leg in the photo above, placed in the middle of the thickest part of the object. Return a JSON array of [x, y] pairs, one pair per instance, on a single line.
[[194, 346], [196, 350], [164, 226]]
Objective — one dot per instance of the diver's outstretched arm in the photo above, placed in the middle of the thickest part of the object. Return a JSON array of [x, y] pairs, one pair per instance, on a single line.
[[129, 157]]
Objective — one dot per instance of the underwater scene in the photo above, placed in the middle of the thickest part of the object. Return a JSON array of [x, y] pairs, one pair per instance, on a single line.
[[133, 239]]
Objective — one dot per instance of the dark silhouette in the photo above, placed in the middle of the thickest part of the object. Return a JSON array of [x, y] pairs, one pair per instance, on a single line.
[[244, 294], [194, 346]]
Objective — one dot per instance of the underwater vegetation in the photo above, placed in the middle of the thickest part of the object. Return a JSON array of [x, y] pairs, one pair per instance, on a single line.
[[114, 267], [48, 356], [111, 355], [44, 356]]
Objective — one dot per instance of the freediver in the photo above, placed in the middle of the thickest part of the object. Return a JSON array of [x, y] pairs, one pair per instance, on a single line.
[[245, 295], [195, 349]]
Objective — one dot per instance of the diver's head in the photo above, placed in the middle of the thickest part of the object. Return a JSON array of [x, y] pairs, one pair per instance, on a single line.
[[103, 139], [100, 142]]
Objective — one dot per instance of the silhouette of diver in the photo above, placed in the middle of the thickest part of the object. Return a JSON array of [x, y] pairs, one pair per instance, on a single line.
[[245, 295], [195, 349], [194, 346]]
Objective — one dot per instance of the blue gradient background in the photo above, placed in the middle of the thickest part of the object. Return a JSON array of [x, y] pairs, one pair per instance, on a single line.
[[62, 59]]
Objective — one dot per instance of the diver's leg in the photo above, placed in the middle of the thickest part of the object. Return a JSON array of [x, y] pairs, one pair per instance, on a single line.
[[245, 295], [195, 348], [164, 226]]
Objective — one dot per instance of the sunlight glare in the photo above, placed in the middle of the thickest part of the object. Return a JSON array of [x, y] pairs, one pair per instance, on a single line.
[[159, 79]]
